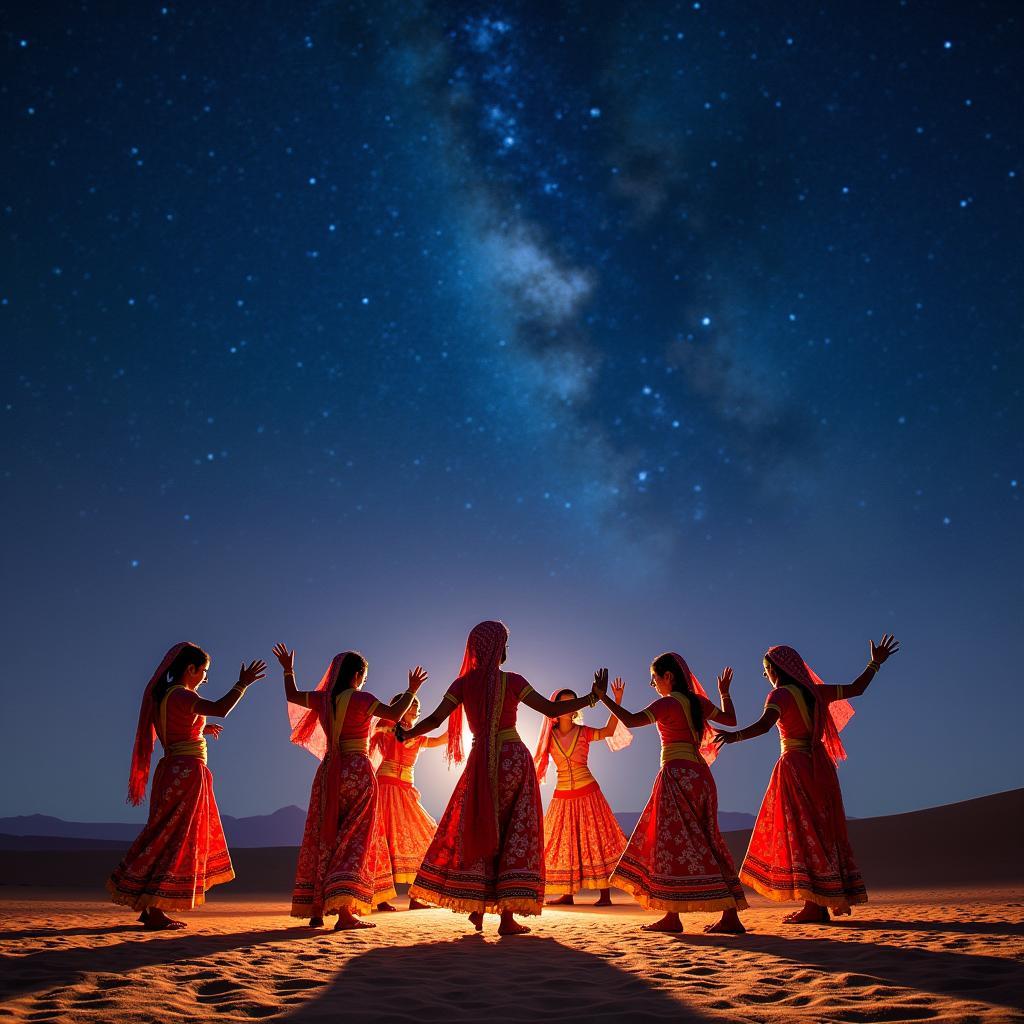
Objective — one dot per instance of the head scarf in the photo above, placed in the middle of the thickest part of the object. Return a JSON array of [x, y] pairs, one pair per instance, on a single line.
[[311, 727], [145, 732], [708, 747], [618, 740], [482, 699], [829, 719]]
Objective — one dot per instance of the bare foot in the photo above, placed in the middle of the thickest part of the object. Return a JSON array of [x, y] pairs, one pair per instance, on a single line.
[[476, 919], [669, 923], [316, 922], [510, 926], [385, 906], [157, 921], [728, 924], [414, 904], [562, 901], [604, 900], [348, 923], [810, 913]]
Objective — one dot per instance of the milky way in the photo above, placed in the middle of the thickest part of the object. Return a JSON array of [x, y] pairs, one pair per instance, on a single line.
[[641, 327]]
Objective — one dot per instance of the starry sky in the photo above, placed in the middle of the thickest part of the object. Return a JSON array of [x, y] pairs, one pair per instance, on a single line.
[[691, 326]]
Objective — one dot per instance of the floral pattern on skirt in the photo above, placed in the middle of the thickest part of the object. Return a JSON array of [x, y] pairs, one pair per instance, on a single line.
[[354, 871], [676, 859], [182, 852], [799, 848], [582, 841], [408, 829], [514, 879]]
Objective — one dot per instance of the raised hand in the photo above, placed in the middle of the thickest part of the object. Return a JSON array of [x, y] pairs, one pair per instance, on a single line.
[[417, 677], [213, 731], [725, 681], [248, 674], [600, 687], [285, 657], [722, 739], [886, 646], [618, 688]]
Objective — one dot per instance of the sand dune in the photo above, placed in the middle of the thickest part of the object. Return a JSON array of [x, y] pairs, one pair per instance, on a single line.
[[954, 956]]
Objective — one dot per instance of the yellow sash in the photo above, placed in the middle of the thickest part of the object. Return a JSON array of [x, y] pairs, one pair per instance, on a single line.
[[803, 745], [393, 770], [508, 736], [183, 748]]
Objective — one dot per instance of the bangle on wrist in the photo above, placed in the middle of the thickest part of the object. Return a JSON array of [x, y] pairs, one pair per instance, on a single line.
[[873, 665], [289, 672], [239, 686]]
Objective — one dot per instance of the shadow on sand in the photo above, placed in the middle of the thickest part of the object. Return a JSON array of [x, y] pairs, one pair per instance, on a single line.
[[473, 979]]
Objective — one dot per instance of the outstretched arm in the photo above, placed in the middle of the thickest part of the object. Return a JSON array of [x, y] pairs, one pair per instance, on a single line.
[[759, 728], [726, 715], [433, 721], [393, 712], [618, 686], [555, 708], [286, 659], [632, 719], [880, 653], [247, 675], [436, 741]]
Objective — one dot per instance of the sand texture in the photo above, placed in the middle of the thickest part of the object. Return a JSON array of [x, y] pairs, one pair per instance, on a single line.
[[941, 955]]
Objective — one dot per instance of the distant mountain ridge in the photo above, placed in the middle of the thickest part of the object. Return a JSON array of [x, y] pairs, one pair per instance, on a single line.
[[282, 828]]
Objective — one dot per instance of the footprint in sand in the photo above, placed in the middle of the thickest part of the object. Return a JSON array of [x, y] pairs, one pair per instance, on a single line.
[[216, 991], [296, 984]]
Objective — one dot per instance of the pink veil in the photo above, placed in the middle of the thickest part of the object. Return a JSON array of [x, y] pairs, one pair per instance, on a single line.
[[311, 726]]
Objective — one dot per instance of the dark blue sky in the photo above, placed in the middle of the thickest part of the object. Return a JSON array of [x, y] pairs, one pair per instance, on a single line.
[[661, 326]]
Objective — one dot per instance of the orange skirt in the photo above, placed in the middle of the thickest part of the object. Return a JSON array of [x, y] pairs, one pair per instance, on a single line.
[[353, 871], [182, 852], [408, 828], [514, 879], [676, 859], [582, 841], [799, 849]]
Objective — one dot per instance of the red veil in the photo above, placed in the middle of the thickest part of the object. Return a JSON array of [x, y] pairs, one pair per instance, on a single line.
[[145, 732], [311, 727], [619, 740], [482, 697], [707, 745], [827, 725]]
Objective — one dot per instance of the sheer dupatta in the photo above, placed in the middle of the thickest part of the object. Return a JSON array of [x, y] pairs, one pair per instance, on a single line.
[[619, 740], [706, 744], [483, 693], [145, 732], [829, 718]]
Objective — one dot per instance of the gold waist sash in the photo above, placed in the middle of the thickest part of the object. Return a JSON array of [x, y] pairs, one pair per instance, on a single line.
[[508, 736], [393, 770], [187, 748], [803, 745], [574, 778], [354, 746], [680, 751]]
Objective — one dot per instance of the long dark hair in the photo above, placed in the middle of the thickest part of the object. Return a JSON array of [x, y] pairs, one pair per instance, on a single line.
[[190, 656], [351, 665], [680, 684], [785, 679]]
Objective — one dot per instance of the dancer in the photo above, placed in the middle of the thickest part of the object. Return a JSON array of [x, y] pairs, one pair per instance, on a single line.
[[676, 859], [408, 828], [582, 839], [487, 854], [799, 849], [343, 866], [181, 853]]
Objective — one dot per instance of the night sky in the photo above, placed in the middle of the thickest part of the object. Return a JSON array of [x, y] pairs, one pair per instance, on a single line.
[[640, 327]]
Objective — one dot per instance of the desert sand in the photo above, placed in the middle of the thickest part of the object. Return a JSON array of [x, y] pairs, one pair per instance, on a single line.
[[906, 956]]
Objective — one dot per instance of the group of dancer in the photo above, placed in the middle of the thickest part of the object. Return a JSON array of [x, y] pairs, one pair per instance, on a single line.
[[494, 850]]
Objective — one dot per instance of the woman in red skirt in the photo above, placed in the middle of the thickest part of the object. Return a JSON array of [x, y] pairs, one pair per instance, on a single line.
[[582, 839], [343, 866], [181, 853], [487, 854], [799, 849], [676, 859], [408, 828]]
